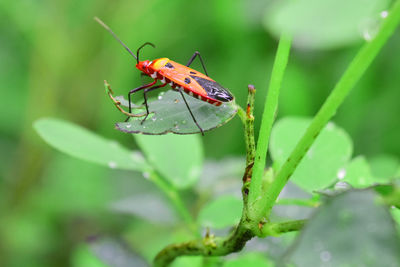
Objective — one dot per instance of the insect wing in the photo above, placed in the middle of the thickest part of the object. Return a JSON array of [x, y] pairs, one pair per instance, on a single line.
[[180, 74], [195, 82]]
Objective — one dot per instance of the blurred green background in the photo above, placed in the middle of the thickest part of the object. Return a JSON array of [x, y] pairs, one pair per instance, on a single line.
[[54, 58]]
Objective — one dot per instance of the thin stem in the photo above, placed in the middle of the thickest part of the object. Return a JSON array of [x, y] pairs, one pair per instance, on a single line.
[[270, 108], [217, 246], [208, 246], [247, 119], [275, 229], [298, 202], [249, 127], [353, 73], [176, 201], [248, 122]]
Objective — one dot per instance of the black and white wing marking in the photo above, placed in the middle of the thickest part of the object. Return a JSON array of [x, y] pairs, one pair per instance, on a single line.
[[214, 90]]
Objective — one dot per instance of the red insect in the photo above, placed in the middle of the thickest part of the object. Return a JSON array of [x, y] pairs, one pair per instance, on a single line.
[[181, 78]]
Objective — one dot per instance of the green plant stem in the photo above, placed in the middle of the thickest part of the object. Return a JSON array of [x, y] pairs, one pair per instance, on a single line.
[[247, 119], [353, 73], [176, 201], [270, 107], [217, 246], [298, 202], [275, 229], [208, 246]]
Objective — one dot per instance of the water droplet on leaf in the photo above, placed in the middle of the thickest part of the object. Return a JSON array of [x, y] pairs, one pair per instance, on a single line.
[[384, 14], [112, 164], [146, 175], [325, 256], [341, 173]]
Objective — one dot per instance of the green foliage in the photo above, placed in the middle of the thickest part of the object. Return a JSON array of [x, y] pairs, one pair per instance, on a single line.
[[178, 158], [384, 167], [357, 173], [80, 143], [52, 203], [211, 215], [320, 166], [82, 257], [361, 232], [325, 24], [250, 259]]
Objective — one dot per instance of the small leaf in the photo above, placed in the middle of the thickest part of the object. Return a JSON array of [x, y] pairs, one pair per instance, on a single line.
[[192, 261], [384, 167], [178, 158], [148, 239], [168, 113], [351, 229], [78, 142], [396, 216], [325, 24], [249, 259], [83, 257], [321, 164], [222, 212], [358, 173]]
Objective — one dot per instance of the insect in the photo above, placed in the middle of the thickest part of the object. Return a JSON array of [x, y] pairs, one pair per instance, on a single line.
[[181, 78]]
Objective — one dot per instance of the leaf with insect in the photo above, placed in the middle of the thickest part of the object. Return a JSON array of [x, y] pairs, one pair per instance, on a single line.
[[169, 114]]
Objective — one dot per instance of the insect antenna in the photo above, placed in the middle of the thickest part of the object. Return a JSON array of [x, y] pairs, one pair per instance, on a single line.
[[143, 45], [116, 37]]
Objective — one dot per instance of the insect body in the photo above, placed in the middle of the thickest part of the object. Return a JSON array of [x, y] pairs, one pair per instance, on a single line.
[[181, 78]]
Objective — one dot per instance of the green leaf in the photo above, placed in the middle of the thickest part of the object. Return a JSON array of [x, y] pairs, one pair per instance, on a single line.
[[90, 186], [192, 261], [319, 168], [358, 173], [222, 212], [83, 257], [178, 158], [249, 259], [325, 24], [396, 216], [351, 229], [78, 142], [384, 167], [170, 114], [149, 239]]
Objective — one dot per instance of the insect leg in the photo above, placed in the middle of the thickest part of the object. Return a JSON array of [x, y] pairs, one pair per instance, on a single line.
[[134, 91], [145, 98], [190, 111], [197, 53]]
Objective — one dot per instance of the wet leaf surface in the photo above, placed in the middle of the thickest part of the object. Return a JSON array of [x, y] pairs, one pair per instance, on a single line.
[[168, 113]]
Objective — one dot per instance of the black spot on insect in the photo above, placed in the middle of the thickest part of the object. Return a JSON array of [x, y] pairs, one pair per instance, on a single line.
[[187, 80], [192, 72], [169, 65]]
